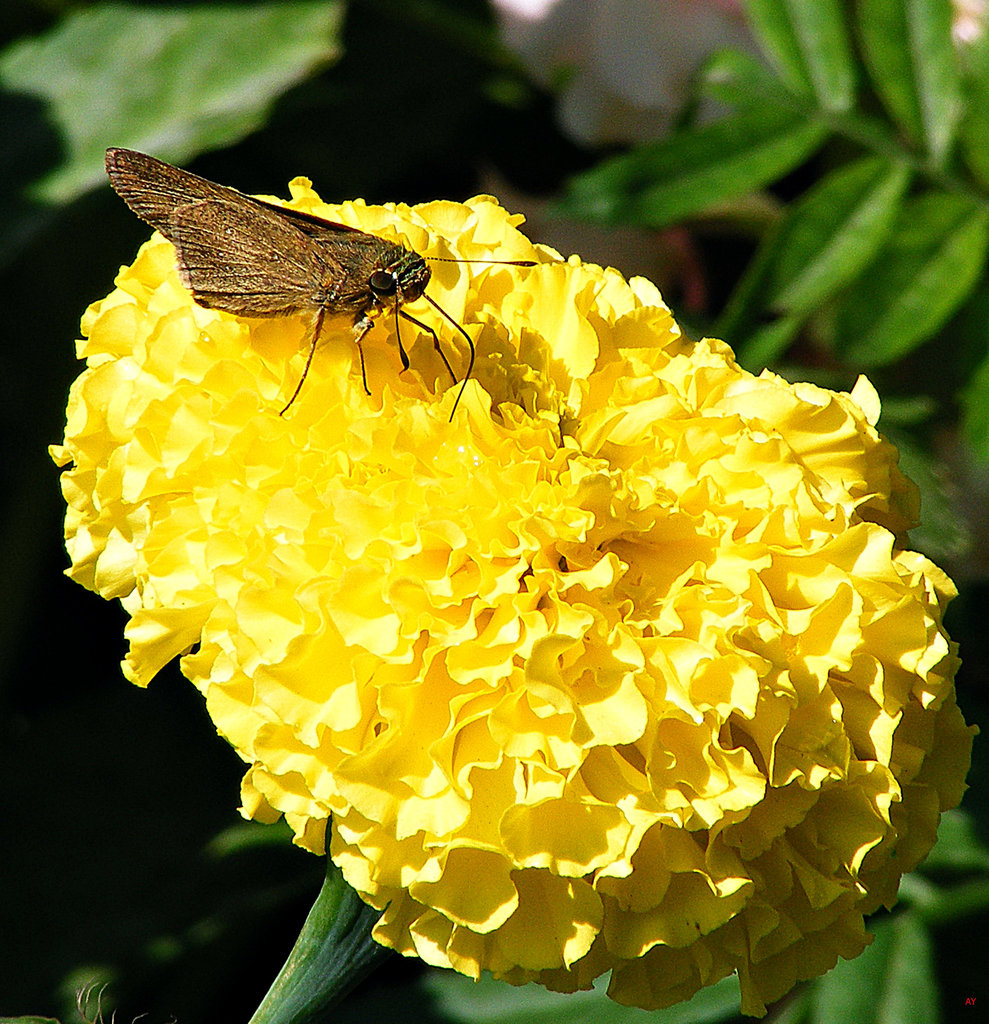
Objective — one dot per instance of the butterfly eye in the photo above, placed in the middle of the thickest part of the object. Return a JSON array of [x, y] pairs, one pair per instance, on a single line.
[[383, 283]]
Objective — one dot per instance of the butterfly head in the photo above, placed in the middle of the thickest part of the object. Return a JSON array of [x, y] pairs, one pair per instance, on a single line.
[[403, 279]]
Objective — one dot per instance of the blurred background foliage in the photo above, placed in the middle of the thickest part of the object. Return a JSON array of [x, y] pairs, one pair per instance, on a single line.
[[817, 195]]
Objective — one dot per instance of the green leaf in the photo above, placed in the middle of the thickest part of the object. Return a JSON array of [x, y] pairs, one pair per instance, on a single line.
[[892, 982], [907, 411], [691, 171], [172, 80], [809, 45], [974, 130], [766, 344], [929, 265], [908, 50], [975, 412], [942, 534], [739, 80], [825, 241], [833, 232], [249, 835], [959, 847], [910, 993], [744, 307], [495, 1002]]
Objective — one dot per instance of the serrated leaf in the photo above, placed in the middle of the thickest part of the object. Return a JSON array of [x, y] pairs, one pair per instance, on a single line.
[[833, 232], [892, 982], [172, 80], [824, 241], [908, 50], [932, 259], [692, 170], [809, 46]]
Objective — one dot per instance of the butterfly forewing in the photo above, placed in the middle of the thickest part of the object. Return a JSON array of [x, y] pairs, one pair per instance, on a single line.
[[153, 189], [241, 259]]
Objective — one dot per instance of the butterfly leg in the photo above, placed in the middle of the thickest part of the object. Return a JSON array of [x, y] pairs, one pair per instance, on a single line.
[[402, 354], [317, 327], [361, 327]]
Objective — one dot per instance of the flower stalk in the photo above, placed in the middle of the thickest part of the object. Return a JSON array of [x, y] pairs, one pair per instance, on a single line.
[[333, 953]]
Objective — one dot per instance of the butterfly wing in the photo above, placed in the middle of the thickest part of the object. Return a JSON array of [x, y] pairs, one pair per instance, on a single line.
[[244, 260], [153, 189], [234, 252]]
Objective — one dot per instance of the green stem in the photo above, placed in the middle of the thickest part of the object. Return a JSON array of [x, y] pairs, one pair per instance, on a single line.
[[334, 951]]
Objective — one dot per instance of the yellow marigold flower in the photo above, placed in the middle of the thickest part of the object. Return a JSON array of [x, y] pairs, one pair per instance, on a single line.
[[627, 668]]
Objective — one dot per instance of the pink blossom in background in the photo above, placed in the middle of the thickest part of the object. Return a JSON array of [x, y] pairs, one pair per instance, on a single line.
[[969, 22], [621, 68]]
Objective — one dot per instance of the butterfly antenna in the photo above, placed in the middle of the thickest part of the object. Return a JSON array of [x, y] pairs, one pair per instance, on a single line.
[[504, 263]]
